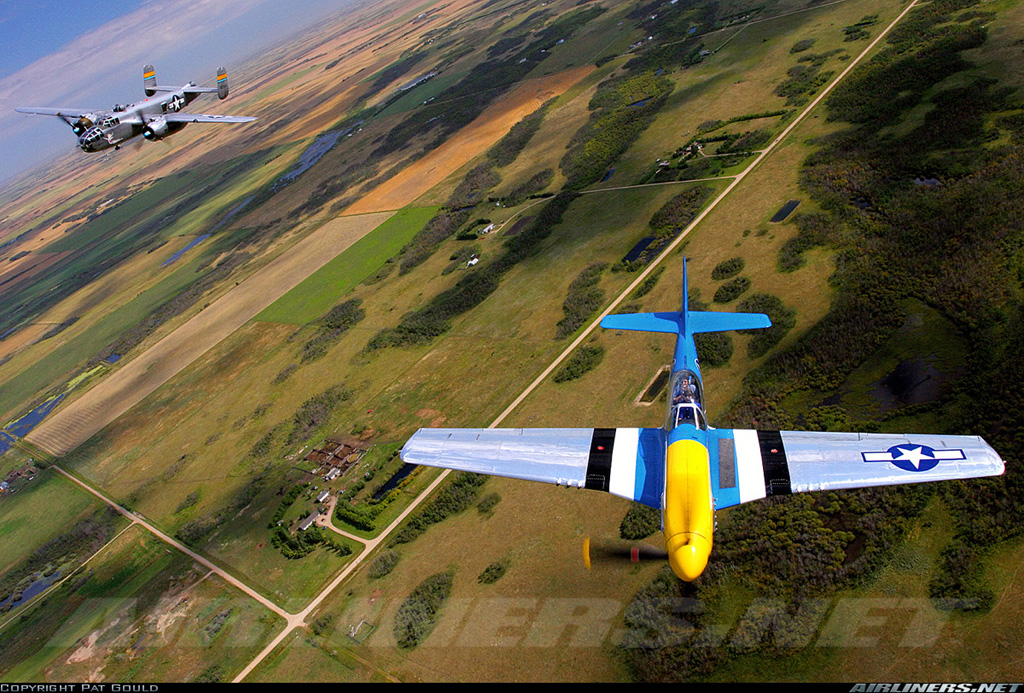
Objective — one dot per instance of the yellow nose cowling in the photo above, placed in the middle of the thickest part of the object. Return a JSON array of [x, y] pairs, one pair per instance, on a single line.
[[688, 514]]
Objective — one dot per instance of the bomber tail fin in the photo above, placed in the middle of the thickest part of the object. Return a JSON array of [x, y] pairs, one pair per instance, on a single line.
[[222, 83], [149, 79]]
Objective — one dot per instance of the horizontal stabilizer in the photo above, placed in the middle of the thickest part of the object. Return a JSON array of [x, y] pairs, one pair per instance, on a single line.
[[643, 322], [702, 321]]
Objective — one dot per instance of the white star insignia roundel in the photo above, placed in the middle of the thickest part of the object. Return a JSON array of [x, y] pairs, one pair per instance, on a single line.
[[913, 457]]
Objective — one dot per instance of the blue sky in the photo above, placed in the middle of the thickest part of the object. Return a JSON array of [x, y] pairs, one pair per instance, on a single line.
[[90, 54], [36, 28]]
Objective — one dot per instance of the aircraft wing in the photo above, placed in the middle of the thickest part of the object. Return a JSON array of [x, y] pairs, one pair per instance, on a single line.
[[748, 465], [205, 118], [627, 462], [61, 112]]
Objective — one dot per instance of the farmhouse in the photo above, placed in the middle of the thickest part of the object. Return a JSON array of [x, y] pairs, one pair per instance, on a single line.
[[308, 522]]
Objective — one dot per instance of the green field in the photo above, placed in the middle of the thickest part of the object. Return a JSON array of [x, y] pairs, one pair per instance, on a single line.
[[41, 373], [46, 507], [315, 295]]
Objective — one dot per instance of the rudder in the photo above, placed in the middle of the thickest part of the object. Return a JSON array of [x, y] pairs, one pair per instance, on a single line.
[[149, 79], [222, 83]]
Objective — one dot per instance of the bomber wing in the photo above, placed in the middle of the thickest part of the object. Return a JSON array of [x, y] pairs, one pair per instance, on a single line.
[[627, 462], [747, 465], [204, 118], [63, 112]]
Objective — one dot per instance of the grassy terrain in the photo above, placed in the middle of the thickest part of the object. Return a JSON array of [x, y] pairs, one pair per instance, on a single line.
[[325, 287], [46, 507], [140, 613]]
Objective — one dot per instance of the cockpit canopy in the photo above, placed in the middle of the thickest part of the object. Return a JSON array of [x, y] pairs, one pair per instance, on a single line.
[[91, 135], [687, 401]]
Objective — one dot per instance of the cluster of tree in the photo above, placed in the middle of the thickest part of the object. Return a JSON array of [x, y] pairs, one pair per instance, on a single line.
[[802, 81], [434, 318], [455, 497], [301, 544], [395, 70], [677, 28], [335, 323], [529, 188], [417, 615], [640, 522], [492, 573], [714, 348], [487, 503], [383, 564], [584, 360], [668, 222], [727, 268], [858, 31], [731, 290], [783, 319], [83, 539], [460, 103], [582, 299], [618, 117], [286, 502], [315, 411], [747, 141], [188, 501], [455, 212], [194, 531], [508, 148], [363, 516], [460, 257], [802, 45]]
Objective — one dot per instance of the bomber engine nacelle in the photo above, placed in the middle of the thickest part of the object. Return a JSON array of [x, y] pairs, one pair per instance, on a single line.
[[80, 126], [156, 129]]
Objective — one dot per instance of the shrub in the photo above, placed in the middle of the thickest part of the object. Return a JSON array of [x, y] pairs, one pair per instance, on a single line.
[[315, 411], [640, 522], [583, 299], [731, 290], [713, 348], [783, 319], [649, 283], [493, 573], [452, 499], [579, 364], [487, 503], [727, 268], [384, 564], [417, 615]]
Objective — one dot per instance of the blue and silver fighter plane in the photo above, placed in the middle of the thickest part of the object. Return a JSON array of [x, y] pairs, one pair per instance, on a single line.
[[153, 118], [687, 469]]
